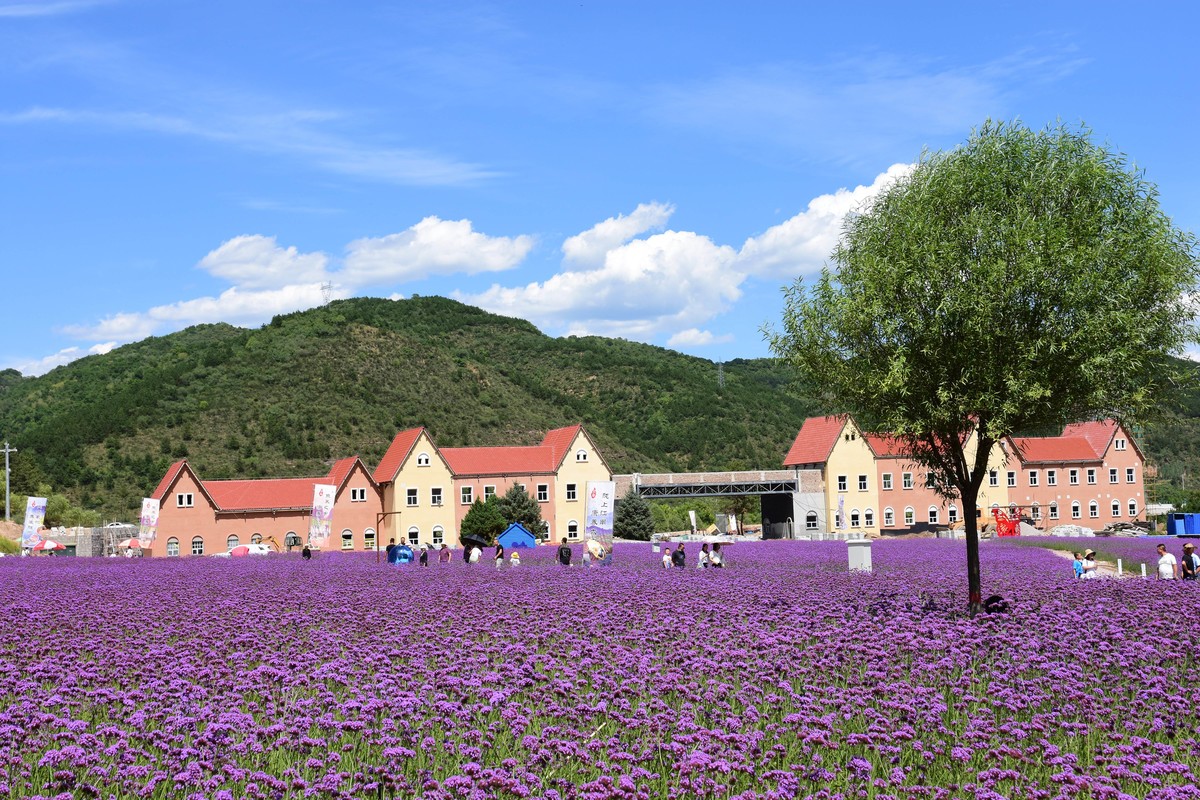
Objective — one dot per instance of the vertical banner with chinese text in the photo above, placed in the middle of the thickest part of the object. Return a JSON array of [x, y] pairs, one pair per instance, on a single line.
[[35, 515], [321, 525], [600, 504], [148, 522]]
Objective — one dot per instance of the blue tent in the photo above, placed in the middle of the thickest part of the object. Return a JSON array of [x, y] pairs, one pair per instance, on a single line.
[[516, 535]]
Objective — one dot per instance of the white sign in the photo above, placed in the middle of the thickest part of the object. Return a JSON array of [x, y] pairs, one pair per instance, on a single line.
[[35, 514], [601, 497], [321, 524], [148, 522]]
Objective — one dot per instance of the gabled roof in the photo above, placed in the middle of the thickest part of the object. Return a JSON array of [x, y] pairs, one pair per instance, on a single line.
[[342, 469], [815, 440], [479, 461], [559, 441], [264, 494], [1053, 449], [172, 473], [884, 445], [1098, 433], [397, 451]]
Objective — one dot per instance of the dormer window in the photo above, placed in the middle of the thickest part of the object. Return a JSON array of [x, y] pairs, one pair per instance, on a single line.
[[423, 460], [581, 456], [1118, 444]]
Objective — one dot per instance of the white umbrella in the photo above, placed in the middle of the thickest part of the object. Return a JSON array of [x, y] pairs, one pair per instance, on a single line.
[[49, 544]]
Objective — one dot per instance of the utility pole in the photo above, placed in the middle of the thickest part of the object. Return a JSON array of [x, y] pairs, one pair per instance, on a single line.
[[7, 510]]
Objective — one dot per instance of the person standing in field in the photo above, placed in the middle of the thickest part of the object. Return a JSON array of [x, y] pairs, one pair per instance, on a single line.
[[1189, 565], [564, 553], [424, 556], [515, 559], [444, 555], [715, 559], [1168, 567], [679, 557], [666, 559], [702, 557], [1077, 565], [499, 555]]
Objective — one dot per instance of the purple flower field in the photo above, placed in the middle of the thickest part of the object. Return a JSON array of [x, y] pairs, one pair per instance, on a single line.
[[781, 676]]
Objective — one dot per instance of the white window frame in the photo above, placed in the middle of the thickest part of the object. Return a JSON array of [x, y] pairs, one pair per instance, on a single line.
[[1093, 510], [173, 547], [934, 515], [412, 498], [1012, 479], [910, 516], [1033, 477], [185, 500], [993, 477], [842, 483], [572, 529], [810, 521], [1131, 474], [952, 514], [423, 460], [1054, 511], [869, 518], [1076, 510], [1035, 512], [232, 541], [1052, 477], [488, 491], [855, 518], [414, 535], [1115, 508], [435, 496], [581, 456], [543, 493], [862, 483], [906, 480], [369, 539], [358, 494], [466, 495], [1133, 509], [886, 481], [347, 539], [439, 535], [1114, 475], [572, 491], [197, 545], [889, 518], [1118, 444], [1091, 476]]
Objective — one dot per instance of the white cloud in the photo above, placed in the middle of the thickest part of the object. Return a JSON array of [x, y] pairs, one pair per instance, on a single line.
[[257, 262], [644, 287], [591, 246], [694, 337], [431, 247], [801, 245], [235, 306], [41, 366]]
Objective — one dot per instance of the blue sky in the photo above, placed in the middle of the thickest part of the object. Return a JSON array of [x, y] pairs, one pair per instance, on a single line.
[[656, 171]]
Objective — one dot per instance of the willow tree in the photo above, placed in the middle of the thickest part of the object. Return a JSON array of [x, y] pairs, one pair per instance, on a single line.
[[1021, 281]]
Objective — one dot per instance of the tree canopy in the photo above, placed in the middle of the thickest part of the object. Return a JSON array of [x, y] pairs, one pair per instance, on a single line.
[[483, 521], [1021, 281], [633, 518], [517, 506]]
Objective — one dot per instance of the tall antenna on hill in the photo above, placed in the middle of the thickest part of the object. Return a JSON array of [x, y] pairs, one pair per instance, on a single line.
[[327, 291], [721, 376]]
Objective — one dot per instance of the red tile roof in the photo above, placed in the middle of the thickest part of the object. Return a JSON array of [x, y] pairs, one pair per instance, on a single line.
[[1098, 433], [470, 461], [263, 494], [815, 440], [397, 451], [1053, 449], [341, 470], [165, 484], [883, 445], [559, 441]]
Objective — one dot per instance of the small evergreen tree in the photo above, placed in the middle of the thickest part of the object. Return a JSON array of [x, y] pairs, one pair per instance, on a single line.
[[518, 506], [634, 519], [483, 521]]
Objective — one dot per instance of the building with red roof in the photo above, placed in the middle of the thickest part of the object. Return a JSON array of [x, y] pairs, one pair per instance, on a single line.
[[198, 517]]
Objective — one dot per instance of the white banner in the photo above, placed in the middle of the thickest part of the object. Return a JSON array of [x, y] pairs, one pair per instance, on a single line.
[[321, 524], [148, 522], [35, 515], [600, 496]]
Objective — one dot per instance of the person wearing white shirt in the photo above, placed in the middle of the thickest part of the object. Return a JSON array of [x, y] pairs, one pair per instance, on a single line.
[[1168, 567]]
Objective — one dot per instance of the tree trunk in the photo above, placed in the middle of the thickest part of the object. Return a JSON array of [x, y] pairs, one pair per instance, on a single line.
[[970, 498]]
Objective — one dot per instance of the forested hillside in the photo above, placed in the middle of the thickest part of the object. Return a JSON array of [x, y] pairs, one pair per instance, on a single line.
[[288, 398], [313, 386]]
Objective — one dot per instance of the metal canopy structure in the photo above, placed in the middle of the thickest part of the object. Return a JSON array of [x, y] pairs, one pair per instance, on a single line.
[[709, 484]]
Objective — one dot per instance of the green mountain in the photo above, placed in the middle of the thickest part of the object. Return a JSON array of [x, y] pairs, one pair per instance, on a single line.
[[313, 386], [288, 398]]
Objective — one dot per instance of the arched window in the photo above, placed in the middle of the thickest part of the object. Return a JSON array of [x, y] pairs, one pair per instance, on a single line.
[[291, 539], [889, 518], [256, 539], [869, 518], [810, 521], [1116, 508], [910, 516], [347, 539], [439, 535], [198, 545], [855, 519], [572, 530], [172, 546], [933, 515], [1054, 511], [581, 456], [952, 513], [232, 541], [1035, 511], [1093, 509], [423, 460], [369, 539], [1075, 510], [1133, 509], [414, 536]]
